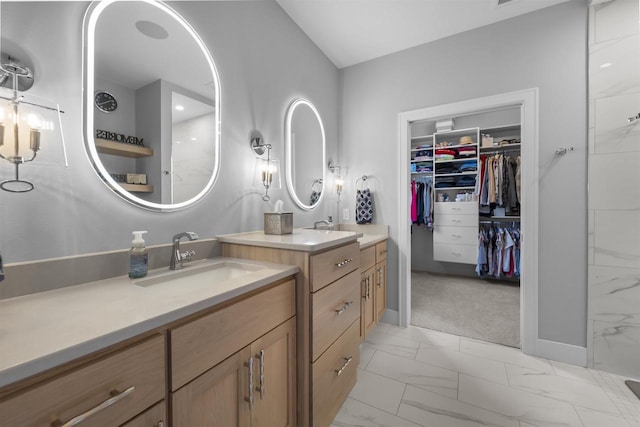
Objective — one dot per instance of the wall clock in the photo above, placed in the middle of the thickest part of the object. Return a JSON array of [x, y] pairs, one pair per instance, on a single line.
[[105, 101]]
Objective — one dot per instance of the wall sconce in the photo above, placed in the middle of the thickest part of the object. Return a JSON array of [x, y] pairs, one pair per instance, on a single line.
[[23, 122], [339, 181], [266, 171]]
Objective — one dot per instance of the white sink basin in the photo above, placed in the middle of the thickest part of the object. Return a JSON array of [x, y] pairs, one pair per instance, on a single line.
[[209, 273]]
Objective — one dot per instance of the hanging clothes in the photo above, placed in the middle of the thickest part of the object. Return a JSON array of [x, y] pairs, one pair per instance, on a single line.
[[499, 250]]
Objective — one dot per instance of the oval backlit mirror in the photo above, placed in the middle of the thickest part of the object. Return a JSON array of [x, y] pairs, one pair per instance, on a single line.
[[151, 104], [305, 154]]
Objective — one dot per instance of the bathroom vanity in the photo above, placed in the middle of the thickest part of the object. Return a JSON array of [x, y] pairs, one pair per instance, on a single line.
[[217, 337], [328, 300]]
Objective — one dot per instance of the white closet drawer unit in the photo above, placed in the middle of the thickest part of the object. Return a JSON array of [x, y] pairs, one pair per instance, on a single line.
[[456, 235], [465, 254], [464, 208], [456, 220]]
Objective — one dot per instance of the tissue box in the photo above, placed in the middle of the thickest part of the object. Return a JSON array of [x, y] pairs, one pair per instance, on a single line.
[[278, 222]]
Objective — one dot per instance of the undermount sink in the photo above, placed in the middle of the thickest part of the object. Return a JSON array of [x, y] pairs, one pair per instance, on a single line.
[[210, 273], [336, 227]]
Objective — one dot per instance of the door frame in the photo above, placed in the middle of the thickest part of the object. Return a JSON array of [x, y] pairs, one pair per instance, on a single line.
[[529, 118]]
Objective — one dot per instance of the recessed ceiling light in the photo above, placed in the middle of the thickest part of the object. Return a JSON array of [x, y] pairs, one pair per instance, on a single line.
[[179, 108], [194, 139], [152, 30], [606, 65]]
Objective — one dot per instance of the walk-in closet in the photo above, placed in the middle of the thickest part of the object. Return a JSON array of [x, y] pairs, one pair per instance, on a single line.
[[465, 225]]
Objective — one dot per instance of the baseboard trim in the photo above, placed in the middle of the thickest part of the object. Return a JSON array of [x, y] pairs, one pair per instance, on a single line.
[[561, 352], [391, 316]]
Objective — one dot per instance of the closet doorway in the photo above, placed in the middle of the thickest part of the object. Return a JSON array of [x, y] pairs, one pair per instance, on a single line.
[[444, 274]]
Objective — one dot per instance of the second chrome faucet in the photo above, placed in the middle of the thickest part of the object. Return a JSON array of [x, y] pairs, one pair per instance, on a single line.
[[176, 256]]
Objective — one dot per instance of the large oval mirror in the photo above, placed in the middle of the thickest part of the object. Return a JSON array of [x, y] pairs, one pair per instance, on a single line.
[[151, 103], [305, 154]]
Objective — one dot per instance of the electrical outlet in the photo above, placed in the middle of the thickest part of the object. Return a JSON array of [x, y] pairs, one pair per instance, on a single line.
[[345, 214]]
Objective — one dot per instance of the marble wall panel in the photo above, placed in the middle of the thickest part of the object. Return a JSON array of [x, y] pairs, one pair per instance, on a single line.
[[615, 295], [616, 238], [613, 132]]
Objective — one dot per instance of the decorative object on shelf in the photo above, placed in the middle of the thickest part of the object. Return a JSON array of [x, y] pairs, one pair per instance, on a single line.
[[119, 177], [267, 169], [487, 140], [24, 124], [137, 178], [119, 137], [444, 125], [105, 102]]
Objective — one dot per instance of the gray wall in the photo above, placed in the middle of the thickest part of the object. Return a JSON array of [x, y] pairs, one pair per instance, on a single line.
[[264, 61], [544, 49]]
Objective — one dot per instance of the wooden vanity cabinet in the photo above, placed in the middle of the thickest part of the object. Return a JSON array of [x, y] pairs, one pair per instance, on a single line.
[[373, 284], [236, 367], [233, 364], [107, 391], [328, 323]]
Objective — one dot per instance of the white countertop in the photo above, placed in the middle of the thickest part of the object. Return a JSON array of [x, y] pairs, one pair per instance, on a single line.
[[370, 239], [46, 329], [301, 239]]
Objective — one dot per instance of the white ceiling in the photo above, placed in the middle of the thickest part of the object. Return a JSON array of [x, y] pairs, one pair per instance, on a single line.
[[354, 31]]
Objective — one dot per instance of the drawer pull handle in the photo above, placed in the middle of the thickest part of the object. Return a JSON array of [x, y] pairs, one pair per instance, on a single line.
[[344, 262], [160, 424], [261, 387], [380, 277], [456, 253], [116, 396], [249, 365], [347, 360], [342, 309]]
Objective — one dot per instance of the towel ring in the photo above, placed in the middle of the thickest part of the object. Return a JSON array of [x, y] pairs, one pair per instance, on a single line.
[[363, 178], [316, 181]]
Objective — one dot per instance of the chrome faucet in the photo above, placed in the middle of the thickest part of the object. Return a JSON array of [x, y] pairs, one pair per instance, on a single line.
[[328, 223], [176, 256]]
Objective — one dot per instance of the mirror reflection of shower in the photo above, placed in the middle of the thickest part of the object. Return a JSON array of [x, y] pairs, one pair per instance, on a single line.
[[192, 151]]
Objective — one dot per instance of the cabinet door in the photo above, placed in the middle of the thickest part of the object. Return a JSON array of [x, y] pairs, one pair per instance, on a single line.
[[274, 378], [381, 289], [367, 314], [217, 398]]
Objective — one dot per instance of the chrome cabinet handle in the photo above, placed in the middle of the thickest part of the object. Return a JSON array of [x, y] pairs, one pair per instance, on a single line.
[[368, 287], [160, 424], [116, 396], [347, 360], [249, 365], [344, 262], [260, 388], [342, 309], [380, 277]]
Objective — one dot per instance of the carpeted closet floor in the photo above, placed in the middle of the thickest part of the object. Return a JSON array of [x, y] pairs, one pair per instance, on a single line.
[[469, 307]]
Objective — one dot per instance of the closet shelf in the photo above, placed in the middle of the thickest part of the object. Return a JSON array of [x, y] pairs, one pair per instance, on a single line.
[[422, 173], [421, 137], [454, 188], [440, 175], [415, 150], [421, 161], [503, 128], [471, 159], [501, 147], [448, 147]]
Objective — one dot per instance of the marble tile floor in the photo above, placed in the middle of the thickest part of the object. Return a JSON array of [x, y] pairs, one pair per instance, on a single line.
[[412, 377]]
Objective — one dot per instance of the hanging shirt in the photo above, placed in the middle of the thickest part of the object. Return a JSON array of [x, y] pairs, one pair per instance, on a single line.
[[414, 202]]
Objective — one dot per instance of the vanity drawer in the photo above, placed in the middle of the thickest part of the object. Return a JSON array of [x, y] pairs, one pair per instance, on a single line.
[[133, 379], [381, 251], [456, 235], [465, 254], [334, 308], [333, 376], [203, 343], [465, 208], [367, 258], [455, 220], [329, 266]]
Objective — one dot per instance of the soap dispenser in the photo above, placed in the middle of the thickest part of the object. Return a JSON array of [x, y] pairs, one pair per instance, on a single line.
[[138, 257]]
